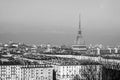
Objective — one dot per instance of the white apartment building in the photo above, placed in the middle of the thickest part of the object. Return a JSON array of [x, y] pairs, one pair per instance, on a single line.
[[68, 72], [10, 72], [28, 72], [37, 72]]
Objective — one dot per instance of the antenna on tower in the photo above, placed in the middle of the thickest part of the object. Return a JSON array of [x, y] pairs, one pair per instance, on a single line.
[[80, 31], [79, 21]]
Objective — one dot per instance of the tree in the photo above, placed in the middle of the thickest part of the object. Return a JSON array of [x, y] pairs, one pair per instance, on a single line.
[[54, 75], [76, 77], [90, 72]]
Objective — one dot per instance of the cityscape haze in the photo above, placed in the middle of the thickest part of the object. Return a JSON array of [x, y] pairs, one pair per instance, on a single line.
[[56, 22]]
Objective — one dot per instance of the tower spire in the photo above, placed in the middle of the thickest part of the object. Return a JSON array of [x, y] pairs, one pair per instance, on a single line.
[[79, 22], [80, 31], [79, 35], [79, 45]]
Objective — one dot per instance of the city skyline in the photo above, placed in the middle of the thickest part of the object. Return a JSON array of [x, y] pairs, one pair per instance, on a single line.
[[57, 22]]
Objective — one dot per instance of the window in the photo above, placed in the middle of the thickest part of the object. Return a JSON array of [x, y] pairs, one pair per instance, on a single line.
[[49, 72], [63, 76], [42, 78], [41, 72], [67, 76]]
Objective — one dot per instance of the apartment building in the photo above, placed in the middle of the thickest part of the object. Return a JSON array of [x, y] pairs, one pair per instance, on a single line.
[[68, 72], [37, 72], [10, 72], [26, 72]]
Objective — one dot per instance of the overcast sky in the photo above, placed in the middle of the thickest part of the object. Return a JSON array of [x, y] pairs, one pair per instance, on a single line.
[[56, 21]]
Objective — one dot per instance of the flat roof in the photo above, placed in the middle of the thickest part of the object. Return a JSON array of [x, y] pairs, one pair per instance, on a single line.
[[30, 66]]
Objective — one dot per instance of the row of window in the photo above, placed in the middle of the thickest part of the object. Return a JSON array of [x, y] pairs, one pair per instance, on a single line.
[[65, 76], [38, 78]]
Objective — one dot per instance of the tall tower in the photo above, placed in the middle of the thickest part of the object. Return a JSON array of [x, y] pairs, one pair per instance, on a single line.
[[79, 45], [79, 38]]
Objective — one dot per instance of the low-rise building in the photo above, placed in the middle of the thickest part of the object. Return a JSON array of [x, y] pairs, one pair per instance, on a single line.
[[79, 48]]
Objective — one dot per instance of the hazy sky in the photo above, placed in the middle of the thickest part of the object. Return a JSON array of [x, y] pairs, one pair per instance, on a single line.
[[56, 21]]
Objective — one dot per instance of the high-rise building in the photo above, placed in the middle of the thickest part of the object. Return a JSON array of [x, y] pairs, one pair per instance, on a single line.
[[79, 45]]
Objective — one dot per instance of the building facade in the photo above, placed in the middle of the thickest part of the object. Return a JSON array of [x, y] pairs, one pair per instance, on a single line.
[[37, 72], [10, 72], [28, 72], [68, 72]]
